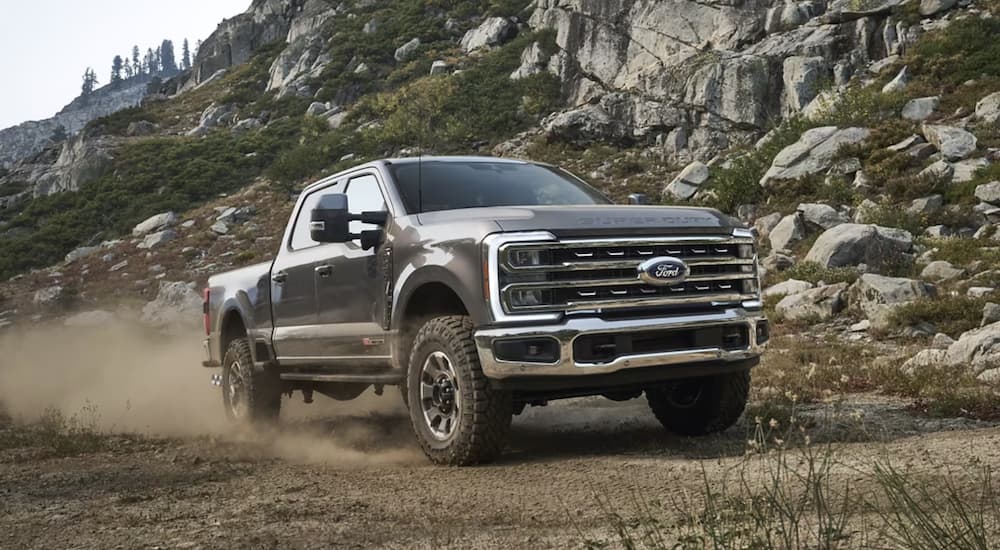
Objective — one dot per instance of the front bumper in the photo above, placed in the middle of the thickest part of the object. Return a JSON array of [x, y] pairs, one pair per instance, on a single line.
[[566, 332]]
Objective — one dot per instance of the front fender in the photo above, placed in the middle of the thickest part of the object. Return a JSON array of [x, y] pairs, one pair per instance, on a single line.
[[464, 278]]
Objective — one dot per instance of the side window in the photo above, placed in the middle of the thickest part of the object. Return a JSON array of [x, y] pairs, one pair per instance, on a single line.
[[364, 195], [300, 233]]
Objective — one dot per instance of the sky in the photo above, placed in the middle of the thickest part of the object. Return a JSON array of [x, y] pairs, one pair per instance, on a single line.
[[45, 45]]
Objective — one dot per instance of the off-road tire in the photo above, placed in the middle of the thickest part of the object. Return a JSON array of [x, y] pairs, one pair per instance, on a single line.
[[261, 388], [718, 406], [484, 413]]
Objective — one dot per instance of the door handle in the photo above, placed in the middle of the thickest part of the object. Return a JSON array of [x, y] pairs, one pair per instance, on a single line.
[[324, 270], [279, 277]]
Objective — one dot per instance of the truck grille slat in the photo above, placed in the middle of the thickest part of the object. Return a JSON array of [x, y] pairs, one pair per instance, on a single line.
[[576, 274]]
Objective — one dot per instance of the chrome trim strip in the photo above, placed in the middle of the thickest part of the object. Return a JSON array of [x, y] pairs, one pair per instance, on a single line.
[[491, 248], [707, 298], [626, 264], [567, 332], [622, 282]]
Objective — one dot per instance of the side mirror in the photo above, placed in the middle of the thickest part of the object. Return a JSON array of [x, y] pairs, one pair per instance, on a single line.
[[330, 220], [638, 198]]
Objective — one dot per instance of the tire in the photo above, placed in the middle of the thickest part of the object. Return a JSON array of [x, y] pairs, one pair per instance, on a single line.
[[249, 395], [700, 406], [459, 420]]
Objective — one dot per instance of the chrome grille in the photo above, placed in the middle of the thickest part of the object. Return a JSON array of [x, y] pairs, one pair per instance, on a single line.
[[584, 275]]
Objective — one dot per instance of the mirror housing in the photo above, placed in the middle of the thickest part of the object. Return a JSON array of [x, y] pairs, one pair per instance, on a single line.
[[331, 219], [638, 198]]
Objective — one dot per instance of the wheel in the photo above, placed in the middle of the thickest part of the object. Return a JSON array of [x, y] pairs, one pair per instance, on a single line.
[[250, 395], [700, 406], [457, 417]]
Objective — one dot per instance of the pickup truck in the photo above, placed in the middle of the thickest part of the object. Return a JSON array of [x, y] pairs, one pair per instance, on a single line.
[[482, 285]]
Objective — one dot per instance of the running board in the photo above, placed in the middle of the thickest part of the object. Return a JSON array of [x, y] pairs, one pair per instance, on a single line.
[[388, 379]]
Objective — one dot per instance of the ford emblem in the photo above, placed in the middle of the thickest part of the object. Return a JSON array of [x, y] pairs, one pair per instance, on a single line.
[[663, 271]]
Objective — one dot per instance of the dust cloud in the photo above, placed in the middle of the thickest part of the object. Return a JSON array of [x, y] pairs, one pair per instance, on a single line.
[[122, 377]]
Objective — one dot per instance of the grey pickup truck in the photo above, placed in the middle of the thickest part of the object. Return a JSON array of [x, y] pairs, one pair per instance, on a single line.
[[480, 286]]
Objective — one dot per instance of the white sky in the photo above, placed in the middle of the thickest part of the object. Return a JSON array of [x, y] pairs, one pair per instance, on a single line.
[[45, 45]]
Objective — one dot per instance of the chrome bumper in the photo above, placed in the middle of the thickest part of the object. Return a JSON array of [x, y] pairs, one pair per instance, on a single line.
[[567, 332]]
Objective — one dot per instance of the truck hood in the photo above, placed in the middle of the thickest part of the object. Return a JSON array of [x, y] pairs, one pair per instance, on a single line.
[[594, 220]]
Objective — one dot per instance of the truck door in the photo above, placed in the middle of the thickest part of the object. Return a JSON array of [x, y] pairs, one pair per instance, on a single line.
[[293, 288], [352, 290]]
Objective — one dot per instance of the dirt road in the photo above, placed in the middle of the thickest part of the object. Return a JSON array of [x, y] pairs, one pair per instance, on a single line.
[[350, 475]]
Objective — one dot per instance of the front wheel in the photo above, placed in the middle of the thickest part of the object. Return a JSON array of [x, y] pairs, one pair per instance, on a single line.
[[700, 406], [249, 395], [458, 418]]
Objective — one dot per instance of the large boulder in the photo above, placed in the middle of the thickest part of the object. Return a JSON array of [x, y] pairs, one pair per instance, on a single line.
[[941, 271], [989, 192], [817, 304], [977, 349], [686, 184], [988, 108], [822, 216], [852, 244], [786, 288], [789, 231], [154, 240], [931, 7], [177, 304], [803, 78], [876, 295], [953, 142], [814, 152], [494, 31], [406, 51], [154, 223], [921, 108]]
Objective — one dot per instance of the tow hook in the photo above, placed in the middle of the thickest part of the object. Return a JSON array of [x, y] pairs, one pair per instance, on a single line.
[[217, 380]]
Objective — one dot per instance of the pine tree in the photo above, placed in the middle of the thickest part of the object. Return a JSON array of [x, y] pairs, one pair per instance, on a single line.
[[167, 60], [157, 60], [185, 56], [89, 82], [150, 62], [116, 68], [136, 62]]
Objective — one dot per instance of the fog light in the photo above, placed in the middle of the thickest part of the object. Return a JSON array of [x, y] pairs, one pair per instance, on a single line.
[[527, 350], [528, 298]]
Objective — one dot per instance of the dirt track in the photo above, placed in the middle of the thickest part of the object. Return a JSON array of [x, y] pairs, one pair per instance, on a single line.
[[360, 482], [350, 474]]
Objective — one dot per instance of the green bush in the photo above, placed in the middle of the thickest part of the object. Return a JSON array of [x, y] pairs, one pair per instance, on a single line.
[[949, 314], [814, 273]]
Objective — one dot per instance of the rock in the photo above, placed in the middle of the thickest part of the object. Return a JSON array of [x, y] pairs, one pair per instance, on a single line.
[[988, 108], [140, 128], [931, 7], [789, 231], [926, 205], [407, 50], [154, 240], [96, 318], [802, 78], [991, 314], [494, 31], [176, 305], [218, 115], [439, 66], [941, 271], [81, 252], [765, 224], [976, 349], [921, 108], [815, 152], [965, 170], [533, 61], [877, 295], [154, 223], [898, 83], [861, 326], [939, 169], [939, 231], [317, 108], [370, 27], [864, 212], [953, 142], [246, 125], [925, 359], [816, 304], [237, 215], [685, 185], [777, 262], [785, 288], [979, 291], [906, 143], [219, 228], [922, 151], [362, 68], [990, 377], [821, 215], [119, 266], [47, 296], [851, 244], [989, 192], [942, 341]]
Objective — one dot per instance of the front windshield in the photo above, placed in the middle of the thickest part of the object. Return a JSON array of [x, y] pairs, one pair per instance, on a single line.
[[450, 185]]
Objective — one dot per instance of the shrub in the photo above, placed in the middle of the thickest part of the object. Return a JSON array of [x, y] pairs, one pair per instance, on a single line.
[[814, 273], [949, 314]]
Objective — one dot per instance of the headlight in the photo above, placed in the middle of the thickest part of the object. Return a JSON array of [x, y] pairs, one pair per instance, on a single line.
[[531, 257]]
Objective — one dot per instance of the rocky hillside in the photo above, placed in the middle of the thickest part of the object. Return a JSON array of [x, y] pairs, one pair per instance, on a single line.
[[859, 137]]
